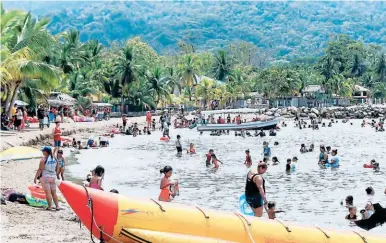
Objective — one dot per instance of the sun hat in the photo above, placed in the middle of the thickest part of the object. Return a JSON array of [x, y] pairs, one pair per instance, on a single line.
[[46, 149]]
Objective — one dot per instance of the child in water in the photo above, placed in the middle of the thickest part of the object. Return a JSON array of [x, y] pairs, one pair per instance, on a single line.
[[166, 186], [215, 161], [62, 163], [192, 149], [97, 177], [248, 159], [288, 165], [303, 148], [179, 146], [266, 150], [294, 163], [275, 161], [209, 157], [272, 210], [352, 216]]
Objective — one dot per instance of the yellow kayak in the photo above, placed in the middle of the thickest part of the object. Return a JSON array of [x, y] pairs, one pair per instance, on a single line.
[[120, 219]]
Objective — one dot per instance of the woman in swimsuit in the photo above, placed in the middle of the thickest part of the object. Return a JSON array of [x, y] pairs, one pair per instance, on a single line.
[[192, 149], [62, 164], [96, 180], [248, 159], [255, 190], [166, 185], [323, 157]]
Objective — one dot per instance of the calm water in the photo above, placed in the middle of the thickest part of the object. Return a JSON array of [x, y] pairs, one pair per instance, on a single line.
[[310, 195]]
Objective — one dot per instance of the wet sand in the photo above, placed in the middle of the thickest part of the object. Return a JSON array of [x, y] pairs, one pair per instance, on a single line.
[[22, 223]]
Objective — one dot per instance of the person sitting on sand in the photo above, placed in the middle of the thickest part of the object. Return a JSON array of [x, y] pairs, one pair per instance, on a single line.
[[80, 146], [91, 142], [97, 178], [166, 184], [74, 144], [103, 142], [192, 149]]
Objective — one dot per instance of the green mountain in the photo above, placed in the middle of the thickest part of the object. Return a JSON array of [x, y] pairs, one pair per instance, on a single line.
[[286, 30]]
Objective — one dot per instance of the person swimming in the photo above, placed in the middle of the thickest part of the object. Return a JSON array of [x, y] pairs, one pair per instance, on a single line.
[[275, 161], [192, 149], [272, 210], [166, 193], [311, 148], [215, 161], [375, 164], [248, 159], [352, 216], [303, 148], [209, 157]]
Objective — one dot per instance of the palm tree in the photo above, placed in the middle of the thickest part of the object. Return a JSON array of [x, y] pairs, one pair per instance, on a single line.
[[380, 68], [158, 84], [358, 68], [24, 37], [205, 91], [124, 66], [188, 71], [221, 66], [139, 94]]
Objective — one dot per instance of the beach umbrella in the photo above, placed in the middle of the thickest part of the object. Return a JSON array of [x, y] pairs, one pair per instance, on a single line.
[[20, 153]]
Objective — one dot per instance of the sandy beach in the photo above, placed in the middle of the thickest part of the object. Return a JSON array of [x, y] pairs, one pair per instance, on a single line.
[[23, 223]]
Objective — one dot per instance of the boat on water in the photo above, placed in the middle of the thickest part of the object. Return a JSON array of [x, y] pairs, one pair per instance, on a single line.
[[114, 218], [255, 125], [264, 124]]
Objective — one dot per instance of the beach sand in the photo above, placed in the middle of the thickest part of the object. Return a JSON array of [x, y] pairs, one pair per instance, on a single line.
[[23, 223]]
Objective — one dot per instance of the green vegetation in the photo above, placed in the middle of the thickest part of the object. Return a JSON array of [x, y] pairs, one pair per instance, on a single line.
[[34, 62]]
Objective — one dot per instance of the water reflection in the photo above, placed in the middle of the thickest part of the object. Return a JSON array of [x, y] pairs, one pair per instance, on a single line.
[[310, 195]]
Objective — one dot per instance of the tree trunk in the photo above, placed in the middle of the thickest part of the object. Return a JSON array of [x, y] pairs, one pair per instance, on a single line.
[[7, 98], [14, 95]]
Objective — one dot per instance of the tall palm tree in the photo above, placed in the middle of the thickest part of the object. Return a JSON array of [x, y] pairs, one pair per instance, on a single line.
[[221, 66], [125, 67], [380, 68], [25, 39], [205, 91], [358, 68], [159, 84], [188, 70]]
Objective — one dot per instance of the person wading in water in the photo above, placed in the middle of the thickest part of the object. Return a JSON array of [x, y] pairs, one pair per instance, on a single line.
[[255, 190]]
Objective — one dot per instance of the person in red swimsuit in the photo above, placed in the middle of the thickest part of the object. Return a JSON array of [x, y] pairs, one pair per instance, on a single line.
[[209, 157], [57, 139]]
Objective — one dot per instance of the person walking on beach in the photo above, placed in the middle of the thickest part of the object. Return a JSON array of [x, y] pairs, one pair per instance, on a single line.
[[47, 172], [19, 118], [255, 190], [41, 116], [57, 139]]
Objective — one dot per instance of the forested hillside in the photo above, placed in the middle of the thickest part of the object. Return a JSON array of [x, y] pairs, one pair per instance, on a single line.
[[284, 29]]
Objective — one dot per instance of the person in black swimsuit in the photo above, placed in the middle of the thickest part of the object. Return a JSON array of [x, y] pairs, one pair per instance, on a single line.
[[255, 190]]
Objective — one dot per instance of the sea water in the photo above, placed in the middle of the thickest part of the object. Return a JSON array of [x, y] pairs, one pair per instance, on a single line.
[[310, 195]]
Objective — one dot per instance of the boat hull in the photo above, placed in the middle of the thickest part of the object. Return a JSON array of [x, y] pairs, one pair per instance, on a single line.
[[258, 125], [130, 220]]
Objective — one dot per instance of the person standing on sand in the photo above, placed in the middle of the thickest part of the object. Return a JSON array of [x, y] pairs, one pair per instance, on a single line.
[[57, 139], [124, 122], [48, 168], [41, 117], [148, 120]]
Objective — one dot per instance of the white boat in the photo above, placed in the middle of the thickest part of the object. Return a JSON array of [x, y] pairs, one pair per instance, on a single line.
[[256, 125]]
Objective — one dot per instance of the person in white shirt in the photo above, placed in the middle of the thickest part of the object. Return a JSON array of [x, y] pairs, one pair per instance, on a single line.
[[166, 129], [179, 146]]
